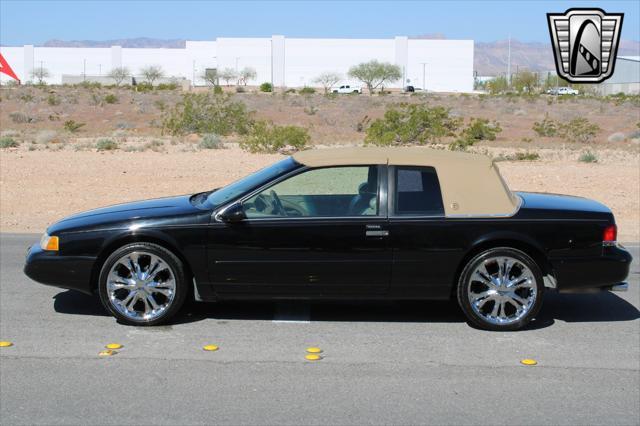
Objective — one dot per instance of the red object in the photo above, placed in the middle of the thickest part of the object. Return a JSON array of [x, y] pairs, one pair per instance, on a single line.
[[610, 234], [6, 69]]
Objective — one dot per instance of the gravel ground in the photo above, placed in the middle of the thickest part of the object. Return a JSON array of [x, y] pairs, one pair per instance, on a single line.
[[40, 187]]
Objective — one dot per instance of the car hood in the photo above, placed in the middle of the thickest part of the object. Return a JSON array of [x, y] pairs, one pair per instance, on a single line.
[[156, 211]]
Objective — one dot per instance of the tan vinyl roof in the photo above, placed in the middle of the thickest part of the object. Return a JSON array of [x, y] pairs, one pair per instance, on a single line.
[[471, 184]]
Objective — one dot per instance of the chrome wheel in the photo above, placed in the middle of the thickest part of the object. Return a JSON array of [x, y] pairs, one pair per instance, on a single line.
[[502, 290], [141, 286]]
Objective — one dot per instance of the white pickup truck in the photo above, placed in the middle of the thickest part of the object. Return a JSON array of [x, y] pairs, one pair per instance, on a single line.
[[562, 91], [345, 88]]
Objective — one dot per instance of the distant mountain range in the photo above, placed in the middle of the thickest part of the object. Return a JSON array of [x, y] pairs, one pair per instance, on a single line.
[[489, 58]]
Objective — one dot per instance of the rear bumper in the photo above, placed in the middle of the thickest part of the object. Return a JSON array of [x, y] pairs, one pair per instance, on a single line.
[[50, 268], [606, 271]]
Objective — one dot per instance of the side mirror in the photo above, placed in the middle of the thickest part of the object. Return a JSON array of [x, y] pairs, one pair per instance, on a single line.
[[233, 213]]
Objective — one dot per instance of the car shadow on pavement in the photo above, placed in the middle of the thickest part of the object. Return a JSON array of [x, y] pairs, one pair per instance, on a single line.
[[595, 307], [602, 306]]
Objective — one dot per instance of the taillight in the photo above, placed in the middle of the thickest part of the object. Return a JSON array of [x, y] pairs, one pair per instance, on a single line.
[[610, 235]]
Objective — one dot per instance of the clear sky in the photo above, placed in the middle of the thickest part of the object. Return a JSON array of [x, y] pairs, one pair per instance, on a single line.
[[34, 22]]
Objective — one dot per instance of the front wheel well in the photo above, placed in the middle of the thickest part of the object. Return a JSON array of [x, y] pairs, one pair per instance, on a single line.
[[533, 252], [120, 242]]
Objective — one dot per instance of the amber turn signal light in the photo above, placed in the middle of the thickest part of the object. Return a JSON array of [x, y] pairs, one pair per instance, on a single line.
[[50, 243]]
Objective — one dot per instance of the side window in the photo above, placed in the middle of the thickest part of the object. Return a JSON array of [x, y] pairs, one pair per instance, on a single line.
[[326, 192], [417, 192]]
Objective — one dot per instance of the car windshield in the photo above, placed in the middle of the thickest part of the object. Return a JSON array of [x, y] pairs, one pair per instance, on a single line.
[[250, 182]]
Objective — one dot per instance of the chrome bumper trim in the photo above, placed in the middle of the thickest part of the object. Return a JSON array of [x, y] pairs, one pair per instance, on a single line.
[[619, 287]]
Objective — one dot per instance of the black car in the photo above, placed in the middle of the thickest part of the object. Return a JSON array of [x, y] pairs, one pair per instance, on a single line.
[[353, 223]]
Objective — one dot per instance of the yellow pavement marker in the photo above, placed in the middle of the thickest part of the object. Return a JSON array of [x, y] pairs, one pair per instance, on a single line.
[[5, 344], [313, 357], [114, 346], [107, 352], [528, 362], [314, 350], [210, 348]]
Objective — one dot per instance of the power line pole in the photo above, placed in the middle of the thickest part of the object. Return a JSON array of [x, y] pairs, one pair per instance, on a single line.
[[509, 64]]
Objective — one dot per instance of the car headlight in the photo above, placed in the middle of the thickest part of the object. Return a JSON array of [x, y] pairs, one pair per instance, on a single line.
[[48, 242]]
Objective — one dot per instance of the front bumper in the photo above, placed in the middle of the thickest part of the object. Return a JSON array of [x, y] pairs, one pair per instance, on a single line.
[[51, 268], [606, 271]]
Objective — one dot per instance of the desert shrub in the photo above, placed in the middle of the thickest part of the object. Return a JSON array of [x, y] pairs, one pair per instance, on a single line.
[[206, 113], [217, 90], [406, 124], [155, 146], [73, 126], [8, 142], [18, 117], [211, 141], [125, 125], [111, 98], [167, 86], [480, 129], [46, 136], [96, 99], [461, 143], [588, 157], [311, 110], [89, 85], [546, 128], [26, 97], [53, 100], [362, 124], [497, 85], [143, 87], [270, 138], [240, 89], [578, 130], [266, 87], [106, 145], [160, 104], [526, 156], [307, 91], [291, 90]]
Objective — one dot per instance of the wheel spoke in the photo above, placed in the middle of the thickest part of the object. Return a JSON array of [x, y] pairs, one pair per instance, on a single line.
[[152, 301], [496, 307], [163, 291], [502, 313], [484, 279], [153, 267]]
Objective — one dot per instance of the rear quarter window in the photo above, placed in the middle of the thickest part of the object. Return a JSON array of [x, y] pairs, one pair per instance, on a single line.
[[417, 192]]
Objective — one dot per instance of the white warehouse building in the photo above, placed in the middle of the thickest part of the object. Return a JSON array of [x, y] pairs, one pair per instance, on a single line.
[[437, 65]]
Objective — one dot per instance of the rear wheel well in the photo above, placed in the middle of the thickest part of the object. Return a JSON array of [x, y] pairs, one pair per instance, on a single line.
[[530, 250], [114, 245]]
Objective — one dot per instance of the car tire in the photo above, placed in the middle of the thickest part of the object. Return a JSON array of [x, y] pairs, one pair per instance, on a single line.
[[143, 295], [500, 289]]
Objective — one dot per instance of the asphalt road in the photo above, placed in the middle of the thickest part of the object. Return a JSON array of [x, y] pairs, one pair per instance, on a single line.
[[384, 363]]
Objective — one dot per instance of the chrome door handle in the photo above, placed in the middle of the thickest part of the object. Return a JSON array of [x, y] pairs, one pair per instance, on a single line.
[[377, 233]]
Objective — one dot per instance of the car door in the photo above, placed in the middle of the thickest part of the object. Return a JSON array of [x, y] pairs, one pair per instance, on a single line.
[[422, 240], [314, 233]]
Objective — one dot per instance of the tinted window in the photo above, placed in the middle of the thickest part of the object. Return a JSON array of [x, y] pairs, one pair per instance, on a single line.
[[417, 192], [326, 192], [250, 182]]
